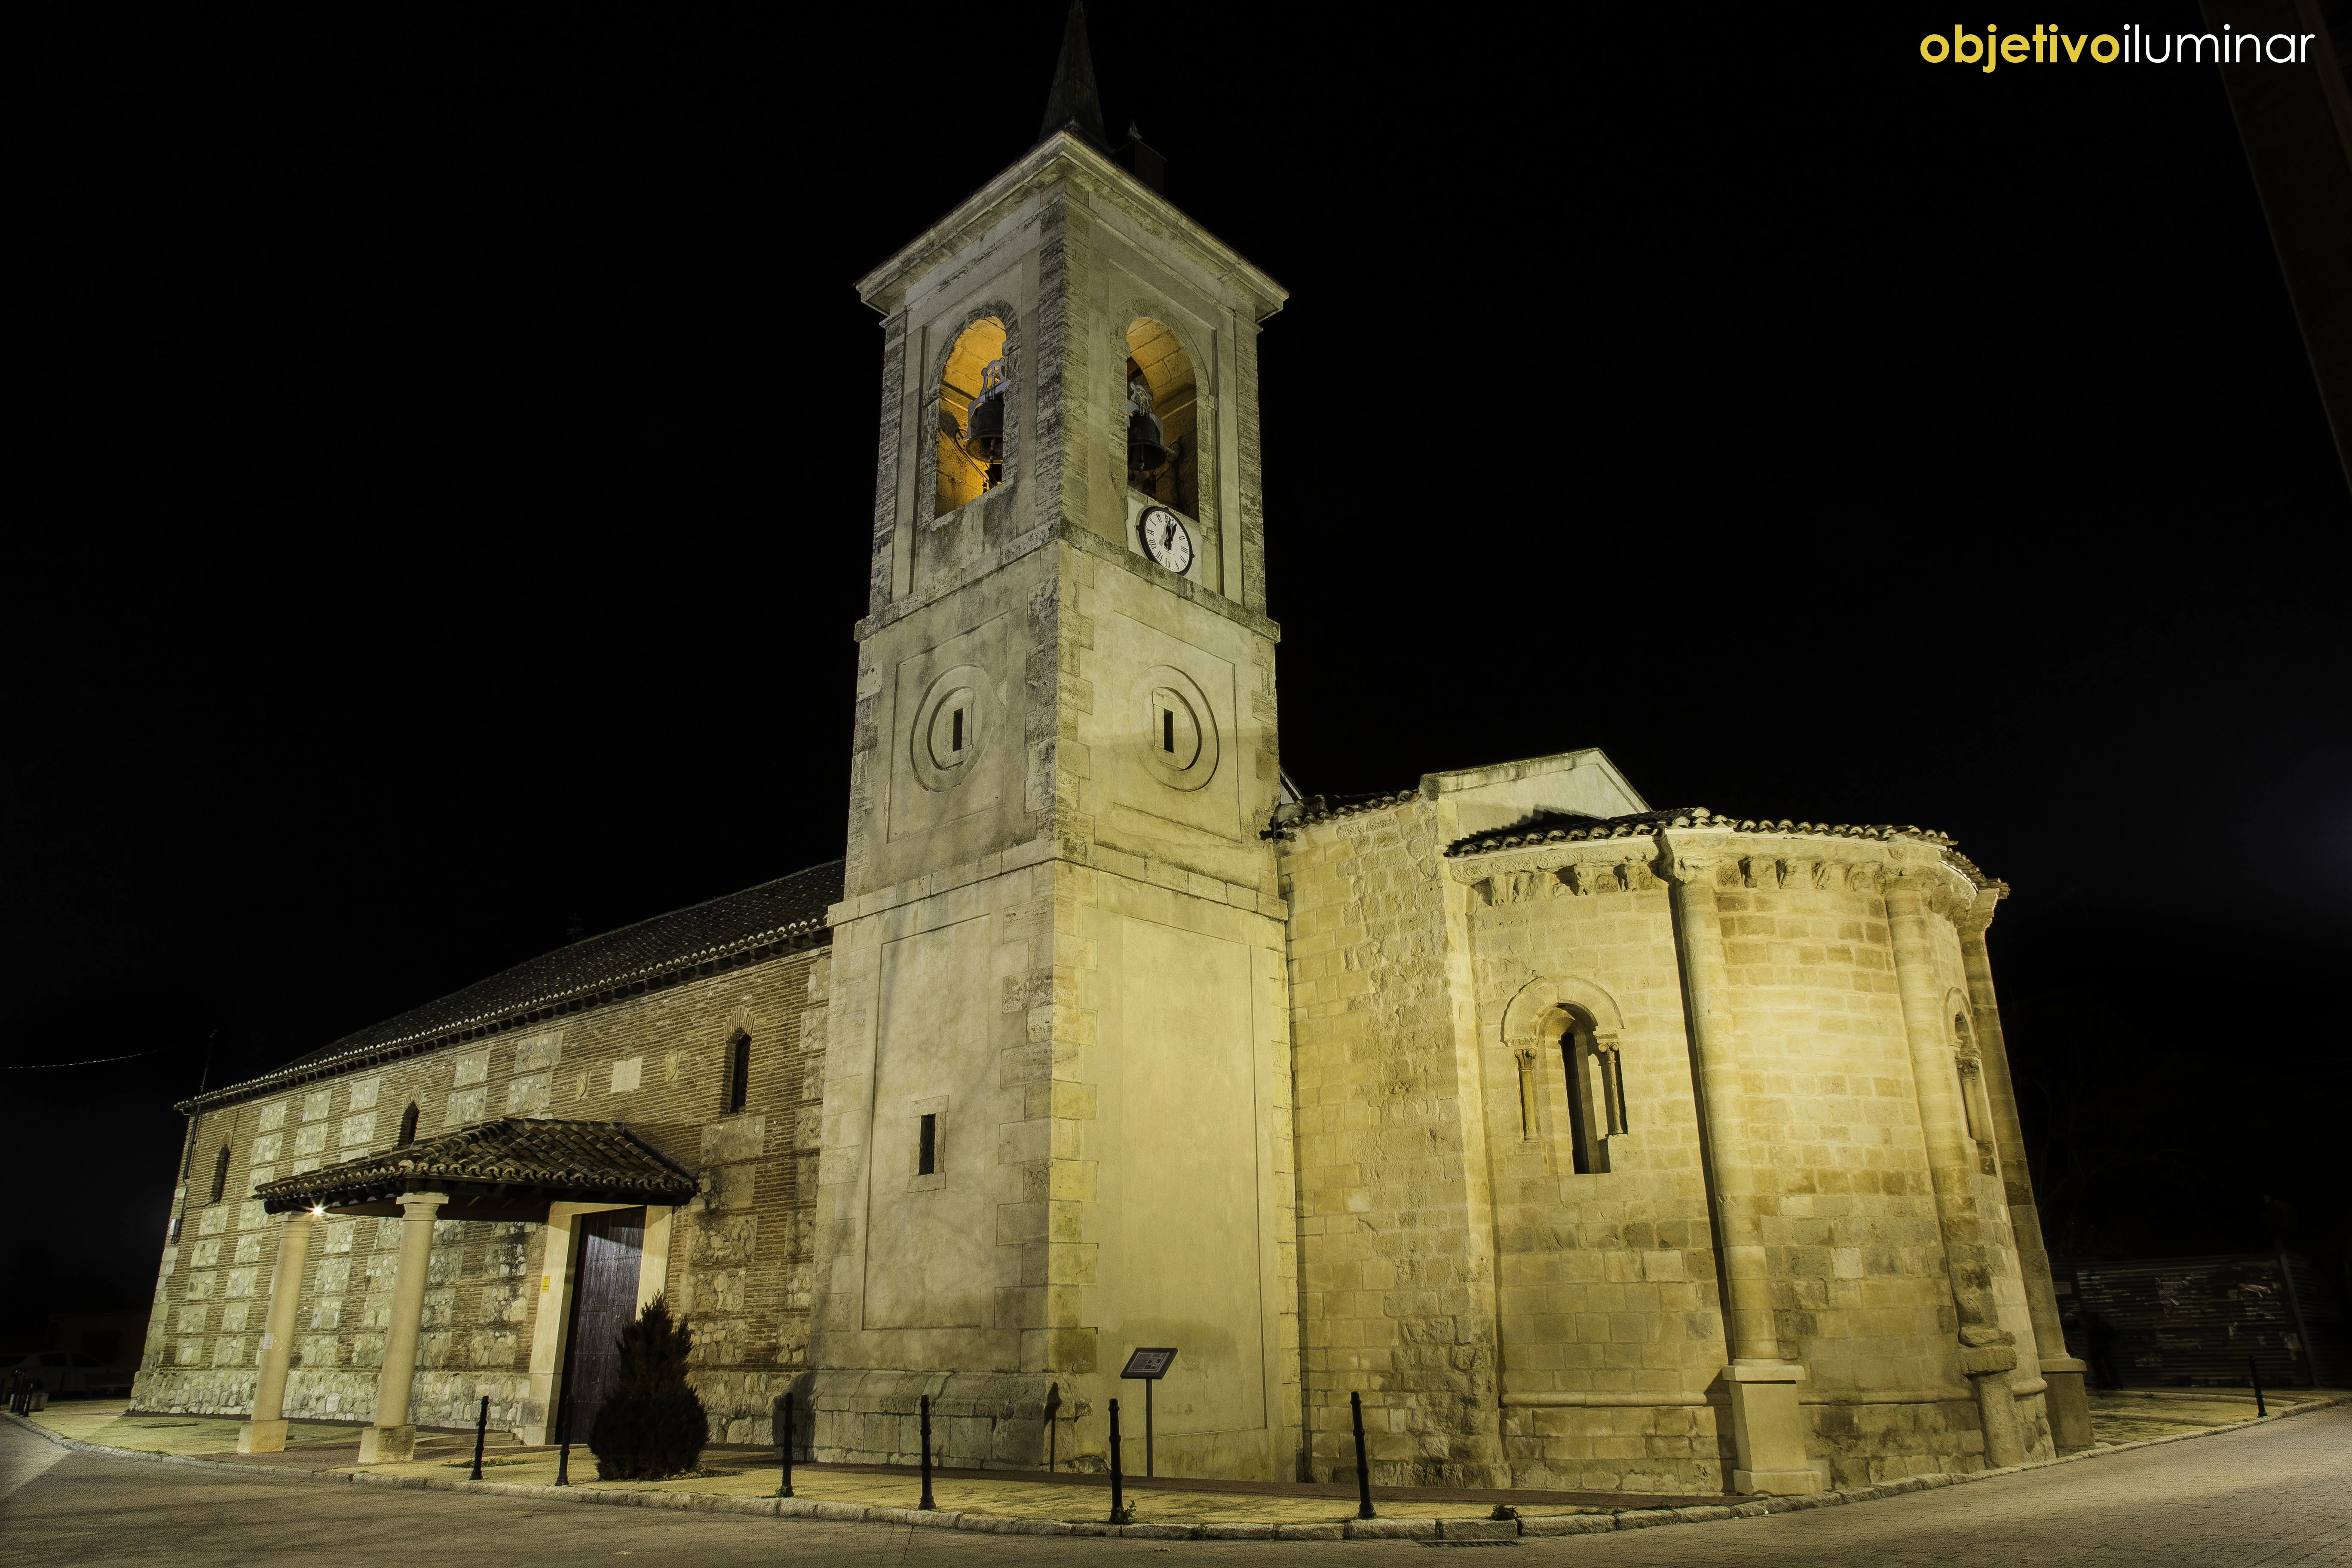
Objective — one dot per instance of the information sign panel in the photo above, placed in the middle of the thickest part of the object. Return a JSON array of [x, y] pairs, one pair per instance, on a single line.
[[1150, 1363]]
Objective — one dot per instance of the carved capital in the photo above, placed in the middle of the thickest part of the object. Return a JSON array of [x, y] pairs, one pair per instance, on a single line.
[[1974, 920], [1691, 856], [1900, 881]]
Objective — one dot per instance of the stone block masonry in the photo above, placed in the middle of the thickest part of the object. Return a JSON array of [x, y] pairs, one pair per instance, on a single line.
[[1511, 1217], [737, 1261]]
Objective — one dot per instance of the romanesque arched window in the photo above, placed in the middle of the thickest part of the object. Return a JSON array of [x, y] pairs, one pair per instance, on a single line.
[[1162, 439], [1596, 1092], [220, 1174], [407, 1126], [1575, 1109], [975, 414], [739, 1072], [1976, 1106]]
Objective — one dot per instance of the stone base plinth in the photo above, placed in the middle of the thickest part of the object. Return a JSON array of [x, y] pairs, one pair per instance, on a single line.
[[1767, 1429], [387, 1445], [2068, 1403], [261, 1437]]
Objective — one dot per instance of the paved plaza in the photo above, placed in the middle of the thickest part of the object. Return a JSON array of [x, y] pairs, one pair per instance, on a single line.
[[2277, 1493]]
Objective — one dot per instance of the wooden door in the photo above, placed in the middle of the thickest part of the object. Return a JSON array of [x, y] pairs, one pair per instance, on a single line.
[[611, 1248]]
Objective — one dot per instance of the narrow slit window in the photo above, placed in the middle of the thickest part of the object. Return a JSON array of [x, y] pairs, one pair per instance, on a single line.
[[927, 1152], [220, 1174], [408, 1125], [1167, 730], [955, 742], [739, 1074]]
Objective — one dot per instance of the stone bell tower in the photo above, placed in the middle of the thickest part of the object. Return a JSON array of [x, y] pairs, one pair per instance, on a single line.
[[1057, 1120]]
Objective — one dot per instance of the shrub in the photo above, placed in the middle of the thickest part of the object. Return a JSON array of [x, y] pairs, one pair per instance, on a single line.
[[654, 1425]]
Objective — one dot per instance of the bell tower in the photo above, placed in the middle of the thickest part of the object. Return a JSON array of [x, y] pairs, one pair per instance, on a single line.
[[1057, 1117]]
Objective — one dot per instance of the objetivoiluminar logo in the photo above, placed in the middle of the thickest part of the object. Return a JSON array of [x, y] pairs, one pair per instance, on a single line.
[[2048, 45]]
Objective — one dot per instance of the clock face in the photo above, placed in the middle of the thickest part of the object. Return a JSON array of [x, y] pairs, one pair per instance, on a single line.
[[1166, 539]]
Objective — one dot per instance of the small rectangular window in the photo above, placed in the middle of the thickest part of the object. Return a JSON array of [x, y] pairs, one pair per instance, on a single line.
[[739, 1077], [956, 742], [926, 1158], [1167, 730]]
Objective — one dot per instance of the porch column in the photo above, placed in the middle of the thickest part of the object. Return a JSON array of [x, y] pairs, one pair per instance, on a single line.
[[264, 1432], [2067, 1401], [1988, 1353], [392, 1439], [1767, 1428]]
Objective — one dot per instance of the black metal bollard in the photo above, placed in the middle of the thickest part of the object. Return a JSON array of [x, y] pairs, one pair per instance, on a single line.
[[1117, 1480], [784, 1442], [481, 1435], [2254, 1374], [563, 1451], [927, 1504], [1363, 1468]]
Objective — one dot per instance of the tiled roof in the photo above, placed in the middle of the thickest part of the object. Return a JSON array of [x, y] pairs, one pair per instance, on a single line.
[[738, 927], [1323, 808], [578, 1162], [1557, 827]]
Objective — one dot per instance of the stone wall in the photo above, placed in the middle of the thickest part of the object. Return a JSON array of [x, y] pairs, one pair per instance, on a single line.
[[737, 1264], [1397, 1280], [1503, 1313], [1608, 1281]]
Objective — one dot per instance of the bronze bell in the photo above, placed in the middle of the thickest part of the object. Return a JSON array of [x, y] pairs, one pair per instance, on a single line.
[[984, 423], [1148, 454]]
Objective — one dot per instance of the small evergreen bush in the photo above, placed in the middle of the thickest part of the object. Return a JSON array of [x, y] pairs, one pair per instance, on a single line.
[[654, 1425]]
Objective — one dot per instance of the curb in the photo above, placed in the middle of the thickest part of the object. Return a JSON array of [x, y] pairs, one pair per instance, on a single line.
[[1002, 1524]]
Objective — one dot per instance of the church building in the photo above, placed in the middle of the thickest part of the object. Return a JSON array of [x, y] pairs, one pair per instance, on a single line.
[[1595, 1144]]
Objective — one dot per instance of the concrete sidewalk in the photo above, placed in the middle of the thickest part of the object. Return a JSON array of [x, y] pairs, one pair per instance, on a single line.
[[745, 1481]]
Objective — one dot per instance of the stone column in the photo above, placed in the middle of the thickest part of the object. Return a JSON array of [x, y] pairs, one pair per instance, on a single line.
[[264, 1432], [1988, 1352], [2067, 1400], [1768, 1428], [392, 1439]]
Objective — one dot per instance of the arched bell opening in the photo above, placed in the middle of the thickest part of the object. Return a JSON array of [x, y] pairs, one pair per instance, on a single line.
[[1162, 443], [975, 398]]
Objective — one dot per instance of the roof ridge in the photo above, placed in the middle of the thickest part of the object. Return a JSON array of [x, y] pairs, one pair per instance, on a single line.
[[566, 975]]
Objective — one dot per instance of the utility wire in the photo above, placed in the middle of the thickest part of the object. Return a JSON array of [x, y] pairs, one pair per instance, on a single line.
[[91, 1062]]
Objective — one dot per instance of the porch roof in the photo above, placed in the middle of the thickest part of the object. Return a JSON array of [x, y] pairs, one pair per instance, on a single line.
[[509, 1168]]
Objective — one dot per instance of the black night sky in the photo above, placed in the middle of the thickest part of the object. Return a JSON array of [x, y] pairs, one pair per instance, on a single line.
[[443, 471]]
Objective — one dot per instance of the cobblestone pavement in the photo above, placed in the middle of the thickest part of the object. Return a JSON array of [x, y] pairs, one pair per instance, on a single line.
[[2277, 1494]]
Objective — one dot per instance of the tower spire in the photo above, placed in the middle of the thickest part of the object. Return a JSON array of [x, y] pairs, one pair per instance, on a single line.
[[1075, 102]]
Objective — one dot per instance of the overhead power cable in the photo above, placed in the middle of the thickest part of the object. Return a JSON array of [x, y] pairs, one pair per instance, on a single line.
[[91, 1062]]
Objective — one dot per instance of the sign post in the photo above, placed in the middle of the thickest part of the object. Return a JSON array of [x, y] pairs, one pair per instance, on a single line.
[[1148, 1366]]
